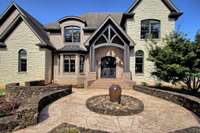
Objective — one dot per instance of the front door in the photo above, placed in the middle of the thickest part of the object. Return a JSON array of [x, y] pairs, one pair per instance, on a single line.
[[108, 67]]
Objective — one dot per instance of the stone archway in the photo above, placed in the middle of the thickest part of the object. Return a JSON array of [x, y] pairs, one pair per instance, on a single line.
[[114, 53]]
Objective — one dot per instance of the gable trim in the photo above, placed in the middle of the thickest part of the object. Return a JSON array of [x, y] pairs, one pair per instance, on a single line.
[[10, 28], [25, 18], [175, 13], [119, 28], [5, 12]]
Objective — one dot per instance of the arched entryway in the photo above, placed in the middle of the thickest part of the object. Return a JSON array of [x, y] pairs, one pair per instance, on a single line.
[[108, 67], [109, 40]]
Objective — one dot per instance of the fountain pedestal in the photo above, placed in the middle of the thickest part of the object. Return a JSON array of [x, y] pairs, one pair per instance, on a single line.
[[115, 93]]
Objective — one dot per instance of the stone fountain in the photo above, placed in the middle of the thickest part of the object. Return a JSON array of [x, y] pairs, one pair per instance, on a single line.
[[114, 103]]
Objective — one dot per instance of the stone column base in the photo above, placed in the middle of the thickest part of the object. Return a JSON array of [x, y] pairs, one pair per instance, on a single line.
[[92, 76], [127, 76]]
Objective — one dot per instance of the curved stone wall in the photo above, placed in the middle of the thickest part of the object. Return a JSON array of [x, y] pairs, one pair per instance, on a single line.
[[189, 102], [33, 100]]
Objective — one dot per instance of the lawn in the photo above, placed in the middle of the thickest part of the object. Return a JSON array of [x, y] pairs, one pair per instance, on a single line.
[[2, 91]]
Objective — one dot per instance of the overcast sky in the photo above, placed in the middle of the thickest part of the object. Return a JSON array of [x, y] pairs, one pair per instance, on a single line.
[[47, 11]]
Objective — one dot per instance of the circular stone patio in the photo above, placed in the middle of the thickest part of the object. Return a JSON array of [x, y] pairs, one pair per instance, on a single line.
[[159, 116]]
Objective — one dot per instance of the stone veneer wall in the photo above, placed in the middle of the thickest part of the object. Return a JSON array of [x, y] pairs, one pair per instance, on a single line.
[[189, 102], [147, 9], [23, 38], [75, 78], [33, 100]]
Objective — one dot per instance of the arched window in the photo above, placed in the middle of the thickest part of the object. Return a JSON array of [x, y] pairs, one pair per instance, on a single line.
[[22, 62], [139, 62], [150, 28], [72, 34]]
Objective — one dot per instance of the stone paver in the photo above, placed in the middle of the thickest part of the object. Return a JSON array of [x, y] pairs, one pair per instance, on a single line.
[[159, 116]]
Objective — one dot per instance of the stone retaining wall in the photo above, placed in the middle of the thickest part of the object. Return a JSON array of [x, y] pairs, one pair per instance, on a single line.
[[189, 102], [33, 100]]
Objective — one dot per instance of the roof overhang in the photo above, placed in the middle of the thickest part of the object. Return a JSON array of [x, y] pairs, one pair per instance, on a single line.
[[41, 45], [175, 12], [175, 15], [2, 45]]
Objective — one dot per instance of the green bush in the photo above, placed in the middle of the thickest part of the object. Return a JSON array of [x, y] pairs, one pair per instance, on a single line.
[[177, 60], [158, 85], [144, 84], [2, 92]]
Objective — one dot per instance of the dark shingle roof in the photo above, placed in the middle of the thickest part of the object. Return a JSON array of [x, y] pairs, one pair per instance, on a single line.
[[72, 48], [96, 19], [93, 20], [52, 26]]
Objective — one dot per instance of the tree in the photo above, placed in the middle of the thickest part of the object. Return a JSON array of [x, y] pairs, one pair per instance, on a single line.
[[197, 37], [177, 60]]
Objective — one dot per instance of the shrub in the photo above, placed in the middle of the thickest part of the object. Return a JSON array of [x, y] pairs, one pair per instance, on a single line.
[[158, 85], [178, 60], [144, 84]]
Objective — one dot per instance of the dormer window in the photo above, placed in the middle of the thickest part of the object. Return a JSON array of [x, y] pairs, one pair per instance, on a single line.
[[72, 34], [150, 29]]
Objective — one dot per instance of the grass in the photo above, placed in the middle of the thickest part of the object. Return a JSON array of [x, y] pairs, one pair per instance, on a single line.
[[2, 91]]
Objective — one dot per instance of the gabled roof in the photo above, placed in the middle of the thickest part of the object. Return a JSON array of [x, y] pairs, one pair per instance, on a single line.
[[175, 12], [35, 25], [109, 18], [96, 19], [92, 20]]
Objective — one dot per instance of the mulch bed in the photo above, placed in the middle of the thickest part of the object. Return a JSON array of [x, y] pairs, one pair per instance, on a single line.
[[69, 128], [7, 108], [102, 104]]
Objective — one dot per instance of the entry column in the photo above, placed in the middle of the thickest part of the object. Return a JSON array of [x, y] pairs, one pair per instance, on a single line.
[[92, 59], [126, 58]]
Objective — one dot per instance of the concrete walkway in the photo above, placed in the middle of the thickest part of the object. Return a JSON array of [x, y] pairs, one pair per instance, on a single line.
[[159, 116]]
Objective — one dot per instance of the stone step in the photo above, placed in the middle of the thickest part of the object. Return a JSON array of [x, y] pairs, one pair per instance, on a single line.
[[106, 83]]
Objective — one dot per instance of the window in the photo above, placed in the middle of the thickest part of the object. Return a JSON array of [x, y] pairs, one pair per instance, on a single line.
[[22, 61], [82, 61], [150, 28], [139, 62], [72, 34], [69, 64]]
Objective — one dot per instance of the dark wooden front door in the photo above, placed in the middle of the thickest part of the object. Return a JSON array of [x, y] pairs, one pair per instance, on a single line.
[[108, 67]]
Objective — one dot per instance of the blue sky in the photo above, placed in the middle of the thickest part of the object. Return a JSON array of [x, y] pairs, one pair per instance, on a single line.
[[51, 10]]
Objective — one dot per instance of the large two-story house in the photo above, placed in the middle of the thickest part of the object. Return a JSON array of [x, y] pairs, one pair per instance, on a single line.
[[79, 49]]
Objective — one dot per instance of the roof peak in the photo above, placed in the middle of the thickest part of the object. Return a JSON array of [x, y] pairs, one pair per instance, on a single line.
[[170, 5]]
